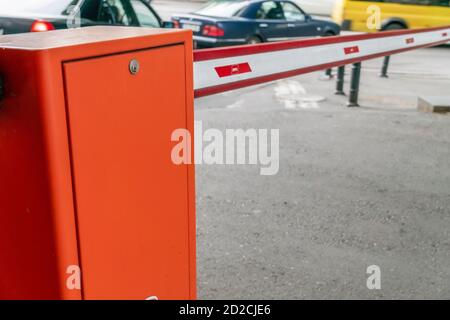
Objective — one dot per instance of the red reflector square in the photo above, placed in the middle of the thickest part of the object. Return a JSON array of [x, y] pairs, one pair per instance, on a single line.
[[350, 50], [233, 69]]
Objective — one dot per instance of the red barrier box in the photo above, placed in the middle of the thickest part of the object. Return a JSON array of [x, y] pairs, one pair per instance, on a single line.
[[91, 205]]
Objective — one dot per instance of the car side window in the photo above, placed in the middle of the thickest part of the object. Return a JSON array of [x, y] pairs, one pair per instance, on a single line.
[[270, 10], [89, 9], [292, 12], [81, 13], [114, 12], [145, 15]]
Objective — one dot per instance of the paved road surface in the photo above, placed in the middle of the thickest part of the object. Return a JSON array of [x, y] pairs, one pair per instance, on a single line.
[[356, 187]]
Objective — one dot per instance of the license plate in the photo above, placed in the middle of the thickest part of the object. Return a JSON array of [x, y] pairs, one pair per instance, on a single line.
[[193, 27]]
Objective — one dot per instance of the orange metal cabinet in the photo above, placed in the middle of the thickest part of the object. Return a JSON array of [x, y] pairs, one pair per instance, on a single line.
[[86, 176]]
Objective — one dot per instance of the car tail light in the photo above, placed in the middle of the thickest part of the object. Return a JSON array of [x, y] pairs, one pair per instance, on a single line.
[[213, 31], [40, 25]]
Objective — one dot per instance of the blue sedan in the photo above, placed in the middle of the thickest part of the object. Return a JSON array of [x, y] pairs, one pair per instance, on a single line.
[[224, 23]]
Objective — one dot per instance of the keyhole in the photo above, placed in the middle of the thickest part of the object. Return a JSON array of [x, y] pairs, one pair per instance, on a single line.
[[134, 67]]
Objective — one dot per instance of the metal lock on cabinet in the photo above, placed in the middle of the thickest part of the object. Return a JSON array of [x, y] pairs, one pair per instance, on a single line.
[[134, 67]]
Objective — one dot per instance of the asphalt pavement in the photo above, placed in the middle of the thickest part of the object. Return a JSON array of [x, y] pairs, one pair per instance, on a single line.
[[356, 187]]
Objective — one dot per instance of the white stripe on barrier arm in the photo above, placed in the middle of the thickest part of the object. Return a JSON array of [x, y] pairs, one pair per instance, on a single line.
[[219, 70]]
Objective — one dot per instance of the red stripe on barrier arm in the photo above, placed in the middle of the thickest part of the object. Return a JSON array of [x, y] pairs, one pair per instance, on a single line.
[[351, 50], [445, 34], [409, 40], [218, 53], [234, 69]]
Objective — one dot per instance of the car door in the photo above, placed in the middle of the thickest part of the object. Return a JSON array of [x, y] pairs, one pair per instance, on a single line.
[[299, 23], [442, 12], [271, 22]]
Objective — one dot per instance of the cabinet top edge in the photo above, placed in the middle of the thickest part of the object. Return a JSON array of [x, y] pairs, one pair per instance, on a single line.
[[75, 37]]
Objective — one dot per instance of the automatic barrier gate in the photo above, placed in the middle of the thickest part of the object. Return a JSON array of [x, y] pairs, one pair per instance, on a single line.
[[219, 70], [91, 205]]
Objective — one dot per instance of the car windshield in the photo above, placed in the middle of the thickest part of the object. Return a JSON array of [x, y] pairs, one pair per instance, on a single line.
[[40, 7], [223, 8]]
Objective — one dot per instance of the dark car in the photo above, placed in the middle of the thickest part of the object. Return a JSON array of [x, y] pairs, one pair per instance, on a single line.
[[222, 23], [18, 16]]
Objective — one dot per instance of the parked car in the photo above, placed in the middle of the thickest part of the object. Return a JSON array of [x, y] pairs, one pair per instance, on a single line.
[[222, 23], [18, 16]]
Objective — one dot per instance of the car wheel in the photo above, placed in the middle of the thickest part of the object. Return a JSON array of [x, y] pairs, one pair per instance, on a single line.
[[254, 40], [394, 26]]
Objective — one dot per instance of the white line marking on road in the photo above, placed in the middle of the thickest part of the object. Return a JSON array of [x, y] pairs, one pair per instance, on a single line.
[[293, 96]]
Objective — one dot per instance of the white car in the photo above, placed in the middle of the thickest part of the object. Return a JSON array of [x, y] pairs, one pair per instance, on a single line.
[[319, 7]]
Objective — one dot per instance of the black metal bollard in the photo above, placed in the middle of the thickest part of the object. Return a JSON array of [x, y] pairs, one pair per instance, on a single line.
[[384, 68], [354, 85], [340, 81]]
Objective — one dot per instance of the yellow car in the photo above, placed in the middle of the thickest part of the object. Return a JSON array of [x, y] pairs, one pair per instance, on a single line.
[[371, 16]]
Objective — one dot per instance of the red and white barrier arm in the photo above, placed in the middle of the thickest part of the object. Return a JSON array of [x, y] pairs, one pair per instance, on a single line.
[[223, 69]]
